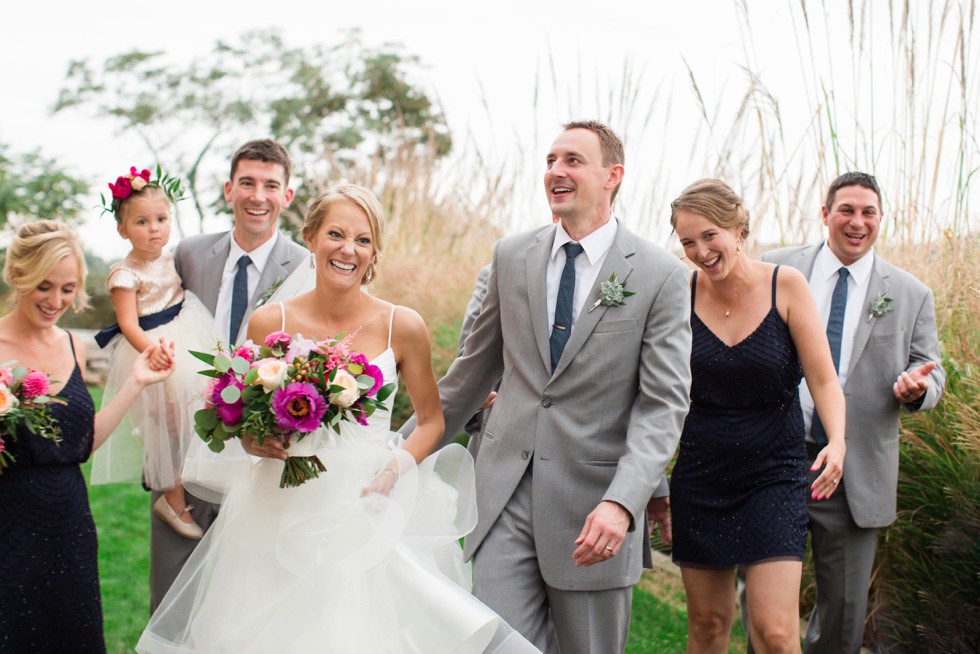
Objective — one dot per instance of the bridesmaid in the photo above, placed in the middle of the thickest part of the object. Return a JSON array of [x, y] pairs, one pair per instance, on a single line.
[[49, 583]]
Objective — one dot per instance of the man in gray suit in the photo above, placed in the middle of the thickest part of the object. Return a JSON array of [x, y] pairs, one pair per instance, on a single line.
[[889, 363], [213, 267], [594, 388]]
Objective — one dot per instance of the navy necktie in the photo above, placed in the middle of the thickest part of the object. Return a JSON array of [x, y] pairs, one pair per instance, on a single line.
[[239, 298], [835, 333], [562, 328]]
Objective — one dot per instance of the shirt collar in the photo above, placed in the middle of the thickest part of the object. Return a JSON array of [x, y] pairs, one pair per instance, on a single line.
[[827, 264], [259, 256], [594, 245]]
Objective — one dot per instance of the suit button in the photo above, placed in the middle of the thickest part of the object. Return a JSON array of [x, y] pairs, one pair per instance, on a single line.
[[525, 454], [546, 402]]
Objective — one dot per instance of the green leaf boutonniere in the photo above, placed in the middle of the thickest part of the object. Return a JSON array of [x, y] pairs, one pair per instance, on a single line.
[[879, 306], [269, 292], [612, 293]]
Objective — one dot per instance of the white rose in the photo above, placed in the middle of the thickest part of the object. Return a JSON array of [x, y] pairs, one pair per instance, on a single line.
[[349, 395], [271, 373], [8, 401], [138, 183]]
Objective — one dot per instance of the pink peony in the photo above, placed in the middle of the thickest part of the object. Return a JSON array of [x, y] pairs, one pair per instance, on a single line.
[[5, 377], [229, 414], [298, 407], [371, 370], [122, 189], [34, 384], [276, 339], [145, 174], [246, 351]]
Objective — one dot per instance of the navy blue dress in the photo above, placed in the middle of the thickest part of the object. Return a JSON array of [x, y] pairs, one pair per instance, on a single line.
[[738, 489], [49, 577]]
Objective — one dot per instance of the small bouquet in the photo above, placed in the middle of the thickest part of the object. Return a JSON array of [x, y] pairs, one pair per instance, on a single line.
[[24, 400], [286, 389]]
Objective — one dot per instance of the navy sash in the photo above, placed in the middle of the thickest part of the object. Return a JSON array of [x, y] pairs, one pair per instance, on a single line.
[[146, 322]]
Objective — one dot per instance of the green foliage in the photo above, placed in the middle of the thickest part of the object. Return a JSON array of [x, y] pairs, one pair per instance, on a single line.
[[337, 106], [33, 187]]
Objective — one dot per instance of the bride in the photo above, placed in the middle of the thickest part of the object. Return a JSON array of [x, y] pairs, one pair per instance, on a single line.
[[366, 558]]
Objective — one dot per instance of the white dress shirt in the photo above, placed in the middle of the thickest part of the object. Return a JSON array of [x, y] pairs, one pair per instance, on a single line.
[[260, 257], [587, 265], [823, 278]]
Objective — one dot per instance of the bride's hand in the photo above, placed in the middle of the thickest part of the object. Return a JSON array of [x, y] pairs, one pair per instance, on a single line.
[[383, 482], [271, 448]]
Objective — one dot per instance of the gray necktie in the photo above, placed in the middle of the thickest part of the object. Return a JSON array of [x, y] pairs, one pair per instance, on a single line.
[[835, 333]]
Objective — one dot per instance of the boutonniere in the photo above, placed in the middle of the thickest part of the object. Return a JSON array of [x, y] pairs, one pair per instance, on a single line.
[[612, 293], [879, 306], [269, 292]]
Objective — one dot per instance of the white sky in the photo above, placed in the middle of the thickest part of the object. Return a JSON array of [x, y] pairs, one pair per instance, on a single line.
[[470, 51]]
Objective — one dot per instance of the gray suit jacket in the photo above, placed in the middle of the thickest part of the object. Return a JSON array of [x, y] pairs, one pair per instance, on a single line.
[[603, 426], [884, 347], [200, 262]]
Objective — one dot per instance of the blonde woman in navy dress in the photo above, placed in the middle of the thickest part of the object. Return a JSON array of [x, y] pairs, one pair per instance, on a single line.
[[738, 490]]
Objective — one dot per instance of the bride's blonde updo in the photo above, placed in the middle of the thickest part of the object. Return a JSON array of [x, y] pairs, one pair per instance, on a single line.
[[364, 200], [716, 201], [35, 250]]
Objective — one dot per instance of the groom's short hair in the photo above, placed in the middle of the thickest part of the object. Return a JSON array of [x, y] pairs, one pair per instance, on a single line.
[[609, 142], [264, 150]]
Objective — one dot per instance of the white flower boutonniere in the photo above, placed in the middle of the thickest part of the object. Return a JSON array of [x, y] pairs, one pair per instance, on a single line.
[[879, 306], [612, 293], [269, 292]]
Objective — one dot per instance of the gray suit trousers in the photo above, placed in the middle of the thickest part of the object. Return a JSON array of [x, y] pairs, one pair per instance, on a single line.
[[170, 550], [506, 577]]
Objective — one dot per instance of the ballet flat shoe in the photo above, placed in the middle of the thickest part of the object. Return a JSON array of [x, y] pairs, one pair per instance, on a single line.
[[163, 510]]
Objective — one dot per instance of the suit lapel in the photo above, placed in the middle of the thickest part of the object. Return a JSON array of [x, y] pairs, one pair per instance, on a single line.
[[877, 283], [537, 292], [615, 262], [213, 271]]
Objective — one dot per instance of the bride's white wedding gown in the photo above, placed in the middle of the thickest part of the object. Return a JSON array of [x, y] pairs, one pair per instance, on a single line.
[[319, 568]]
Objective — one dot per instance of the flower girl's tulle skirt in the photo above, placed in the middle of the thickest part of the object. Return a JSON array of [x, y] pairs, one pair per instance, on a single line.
[[152, 439], [321, 568]]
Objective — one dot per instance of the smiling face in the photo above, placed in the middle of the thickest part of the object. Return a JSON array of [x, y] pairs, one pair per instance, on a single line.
[[711, 248], [257, 194], [343, 245], [46, 303], [145, 221], [579, 187], [852, 223]]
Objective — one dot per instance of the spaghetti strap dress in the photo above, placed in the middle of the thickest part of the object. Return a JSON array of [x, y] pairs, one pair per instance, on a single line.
[[49, 574], [738, 489]]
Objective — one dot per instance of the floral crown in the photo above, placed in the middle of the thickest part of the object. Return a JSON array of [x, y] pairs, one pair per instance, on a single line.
[[136, 181]]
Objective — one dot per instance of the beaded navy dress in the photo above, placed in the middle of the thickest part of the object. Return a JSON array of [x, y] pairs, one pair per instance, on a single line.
[[738, 489], [49, 578]]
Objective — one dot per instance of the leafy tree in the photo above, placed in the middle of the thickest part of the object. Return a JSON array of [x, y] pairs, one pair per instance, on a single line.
[[334, 108], [32, 186]]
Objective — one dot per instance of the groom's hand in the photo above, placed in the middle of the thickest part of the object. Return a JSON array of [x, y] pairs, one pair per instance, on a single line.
[[603, 534]]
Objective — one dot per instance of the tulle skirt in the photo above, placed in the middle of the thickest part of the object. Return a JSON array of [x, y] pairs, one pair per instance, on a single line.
[[321, 568], [152, 439]]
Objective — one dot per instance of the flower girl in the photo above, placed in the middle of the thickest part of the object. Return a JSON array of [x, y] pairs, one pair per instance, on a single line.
[[150, 304]]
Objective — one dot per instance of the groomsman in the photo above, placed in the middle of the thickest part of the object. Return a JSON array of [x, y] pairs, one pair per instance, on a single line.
[[882, 327], [586, 326], [230, 271]]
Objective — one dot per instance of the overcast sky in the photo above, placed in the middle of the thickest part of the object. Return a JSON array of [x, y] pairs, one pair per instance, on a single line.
[[481, 59]]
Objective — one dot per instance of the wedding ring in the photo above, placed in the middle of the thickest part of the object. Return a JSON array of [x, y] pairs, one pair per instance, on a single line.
[[834, 481], [609, 549]]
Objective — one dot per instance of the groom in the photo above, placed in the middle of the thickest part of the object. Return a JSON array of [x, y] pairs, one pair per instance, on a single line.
[[593, 394], [212, 266]]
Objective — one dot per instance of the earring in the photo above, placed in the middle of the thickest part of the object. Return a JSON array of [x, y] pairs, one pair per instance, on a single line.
[[312, 262], [368, 275], [738, 248]]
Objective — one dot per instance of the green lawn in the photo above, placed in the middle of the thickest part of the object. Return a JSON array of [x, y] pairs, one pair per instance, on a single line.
[[122, 515]]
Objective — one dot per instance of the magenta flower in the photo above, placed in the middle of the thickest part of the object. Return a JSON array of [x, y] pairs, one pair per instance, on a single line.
[[229, 414], [122, 189], [298, 407], [277, 338], [145, 174], [246, 352], [34, 384]]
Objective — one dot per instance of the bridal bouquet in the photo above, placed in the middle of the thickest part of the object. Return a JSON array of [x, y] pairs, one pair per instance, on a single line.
[[24, 401], [285, 389]]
